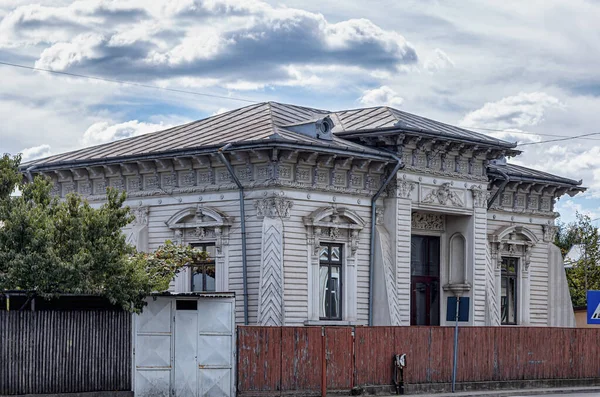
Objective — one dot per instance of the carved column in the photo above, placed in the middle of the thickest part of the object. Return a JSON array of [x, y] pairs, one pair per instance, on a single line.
[[271, 286]]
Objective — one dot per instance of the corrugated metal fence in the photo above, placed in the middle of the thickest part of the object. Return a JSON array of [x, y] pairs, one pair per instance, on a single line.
[[280, 359], [64, 352]]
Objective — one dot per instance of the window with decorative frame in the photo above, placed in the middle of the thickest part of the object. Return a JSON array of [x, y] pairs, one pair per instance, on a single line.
[[203, 272], [330, 281], [509, 279]]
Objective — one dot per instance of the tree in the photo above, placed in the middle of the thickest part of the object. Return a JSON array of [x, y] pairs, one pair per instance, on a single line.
[[50, 247], [585, 273]]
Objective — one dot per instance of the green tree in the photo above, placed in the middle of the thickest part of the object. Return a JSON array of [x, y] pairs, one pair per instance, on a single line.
[[50, 246], [585, 273]]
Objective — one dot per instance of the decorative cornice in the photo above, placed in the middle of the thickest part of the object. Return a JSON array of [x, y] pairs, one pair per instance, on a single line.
[[447, 174]]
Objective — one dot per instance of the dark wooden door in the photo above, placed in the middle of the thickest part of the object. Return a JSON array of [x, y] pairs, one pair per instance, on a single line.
[[425, 280]]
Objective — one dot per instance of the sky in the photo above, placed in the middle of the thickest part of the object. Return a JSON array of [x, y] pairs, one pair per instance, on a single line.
[[523, 71]]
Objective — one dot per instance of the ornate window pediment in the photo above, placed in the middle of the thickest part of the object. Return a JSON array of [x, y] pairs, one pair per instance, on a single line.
[[512, 241], [329, 223], [201, 223]]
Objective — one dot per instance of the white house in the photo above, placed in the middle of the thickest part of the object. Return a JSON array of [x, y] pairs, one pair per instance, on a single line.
[[364, 216]]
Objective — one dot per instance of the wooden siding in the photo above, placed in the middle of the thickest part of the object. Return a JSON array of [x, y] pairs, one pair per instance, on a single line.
[[285, 359], [64, 352]]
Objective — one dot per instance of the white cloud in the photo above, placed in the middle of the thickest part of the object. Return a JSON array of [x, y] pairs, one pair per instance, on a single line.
[[35, 152], [382, 96], [521, 110], [103, 132], [438, 61]]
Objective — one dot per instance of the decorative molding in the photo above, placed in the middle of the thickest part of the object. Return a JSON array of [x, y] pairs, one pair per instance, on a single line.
[[201, 223], [273, 207], [428, 221], [141, 216], [271, 295], [379, 218], [512, 241], [405, 189], [137, 232], [326, 222], [444, 196], [549, 233], [480, 197]]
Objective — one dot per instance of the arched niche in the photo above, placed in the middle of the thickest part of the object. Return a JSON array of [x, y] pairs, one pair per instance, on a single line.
[[457, 265]]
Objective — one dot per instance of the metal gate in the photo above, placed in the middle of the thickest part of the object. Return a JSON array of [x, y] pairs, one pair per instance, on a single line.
[[184, 346]]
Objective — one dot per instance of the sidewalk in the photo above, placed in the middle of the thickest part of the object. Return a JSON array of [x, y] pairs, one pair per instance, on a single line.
[[519, 392]]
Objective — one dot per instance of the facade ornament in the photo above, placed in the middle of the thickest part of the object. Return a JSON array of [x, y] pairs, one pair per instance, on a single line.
[[444, 196], [427, 221], [379, 215], [549, 233], [334, 232], [178, 236], [353, 241], [273, 207], [480, 197], [318, 232], [200, 233], [405, 188], [141, 216]]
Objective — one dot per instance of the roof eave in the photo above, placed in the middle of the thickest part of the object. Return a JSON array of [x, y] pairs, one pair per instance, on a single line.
[[499, 144], [370, 153]]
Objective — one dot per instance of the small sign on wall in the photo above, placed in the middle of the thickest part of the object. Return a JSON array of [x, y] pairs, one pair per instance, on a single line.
[[463, 309], [593, 307]]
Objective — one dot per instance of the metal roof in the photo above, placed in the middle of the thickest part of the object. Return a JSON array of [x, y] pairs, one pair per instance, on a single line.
[[520, 173], [357, 121], [264, 122]]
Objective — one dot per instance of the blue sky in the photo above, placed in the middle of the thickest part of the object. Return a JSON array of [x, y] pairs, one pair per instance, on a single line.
[[520, 71]]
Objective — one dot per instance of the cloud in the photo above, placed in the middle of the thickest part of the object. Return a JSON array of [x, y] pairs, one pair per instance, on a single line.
[[521, 110], [35, 152], [382, 96], [201, 39], [438, 61], [103, 132]]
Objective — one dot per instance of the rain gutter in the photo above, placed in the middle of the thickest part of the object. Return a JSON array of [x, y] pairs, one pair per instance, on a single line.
[[243, 225], [392, 175], [505, 181]]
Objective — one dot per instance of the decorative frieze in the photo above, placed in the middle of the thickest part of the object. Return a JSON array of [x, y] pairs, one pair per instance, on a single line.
[[151, 182], [84, 187], [339, 178], [273, 207], [134, 183], [68, 187], [285, 172], [169, 181], [100, 186], [443, 195], [187, 178], [303, 174], [117, 183], [428, 221]]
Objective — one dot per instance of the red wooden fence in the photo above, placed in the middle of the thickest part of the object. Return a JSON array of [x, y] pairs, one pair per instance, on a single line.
[[279, 359]]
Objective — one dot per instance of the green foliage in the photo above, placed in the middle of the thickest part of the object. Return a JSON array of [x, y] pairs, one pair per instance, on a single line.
[[50, 247], [585, 274]]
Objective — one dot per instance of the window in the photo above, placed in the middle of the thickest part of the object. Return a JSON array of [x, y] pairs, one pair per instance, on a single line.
[[508, 298], [330, 282], [203, 272]]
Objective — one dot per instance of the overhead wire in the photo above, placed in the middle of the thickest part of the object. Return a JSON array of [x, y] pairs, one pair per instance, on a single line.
[[135, 84]]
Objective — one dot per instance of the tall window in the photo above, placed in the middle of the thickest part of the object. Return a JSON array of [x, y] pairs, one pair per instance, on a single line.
[[330, 282], [203, 272], [508, 298]]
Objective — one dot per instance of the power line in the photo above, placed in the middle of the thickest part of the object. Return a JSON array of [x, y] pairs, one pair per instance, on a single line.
[[126, 82], [558, 140], [562, 137], [525, 132]]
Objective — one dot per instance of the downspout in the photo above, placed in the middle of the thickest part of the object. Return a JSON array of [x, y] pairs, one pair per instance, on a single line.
[[500, 189], [392, 175], [243, 224]]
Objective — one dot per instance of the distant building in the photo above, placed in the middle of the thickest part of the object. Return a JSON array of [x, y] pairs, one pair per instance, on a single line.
[[453, 219]]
